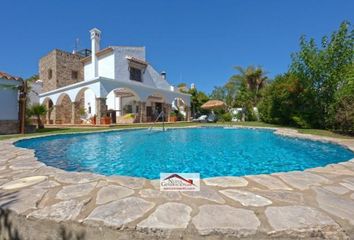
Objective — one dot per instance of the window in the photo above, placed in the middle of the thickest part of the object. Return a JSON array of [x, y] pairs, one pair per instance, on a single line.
[[135, 74], [74, 75], [50, 73]]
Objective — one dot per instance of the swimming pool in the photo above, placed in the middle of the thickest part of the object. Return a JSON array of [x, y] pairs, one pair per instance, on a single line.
[[208, 151]]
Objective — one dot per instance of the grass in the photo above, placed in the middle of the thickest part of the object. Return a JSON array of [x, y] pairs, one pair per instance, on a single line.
[[62, 130], [324, 133]]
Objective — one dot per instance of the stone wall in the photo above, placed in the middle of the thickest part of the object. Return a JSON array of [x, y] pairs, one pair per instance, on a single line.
[[61, 65], [63, 111], [9, 126]]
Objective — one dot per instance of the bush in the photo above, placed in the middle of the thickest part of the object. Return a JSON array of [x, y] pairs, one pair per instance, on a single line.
[[250, 115], [344, 115], [226, 117], [300, 122], [282, 101]]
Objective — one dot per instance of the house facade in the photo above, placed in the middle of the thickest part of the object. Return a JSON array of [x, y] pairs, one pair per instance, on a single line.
[[110, 83], [9, 103]]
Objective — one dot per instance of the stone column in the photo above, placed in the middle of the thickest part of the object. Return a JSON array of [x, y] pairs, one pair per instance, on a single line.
[[101, 109], [75, 112], [142, 111], [168, 108], [188, 113], [47, 115], [54, 114]]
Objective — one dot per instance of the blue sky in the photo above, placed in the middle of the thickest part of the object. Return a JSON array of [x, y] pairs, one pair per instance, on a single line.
[[194, 41]]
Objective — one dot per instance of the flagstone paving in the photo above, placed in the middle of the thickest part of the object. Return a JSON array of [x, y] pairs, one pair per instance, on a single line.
[[226, 220], [313, 204], [120, 212], [168, 216], [246, 198], [110, 193]]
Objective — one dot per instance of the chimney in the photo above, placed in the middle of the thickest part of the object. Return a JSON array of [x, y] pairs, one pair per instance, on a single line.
[[95, 47], [163, 74]]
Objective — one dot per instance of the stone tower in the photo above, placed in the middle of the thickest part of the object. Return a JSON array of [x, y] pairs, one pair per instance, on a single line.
[[59, 68]]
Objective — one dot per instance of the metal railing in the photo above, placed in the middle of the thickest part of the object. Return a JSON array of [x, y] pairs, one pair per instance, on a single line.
[[161, 114]]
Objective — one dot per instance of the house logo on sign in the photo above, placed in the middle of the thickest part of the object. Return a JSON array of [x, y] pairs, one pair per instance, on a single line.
[[179, 181]]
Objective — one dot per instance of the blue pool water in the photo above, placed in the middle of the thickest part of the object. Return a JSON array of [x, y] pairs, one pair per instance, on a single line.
[[208, 151]]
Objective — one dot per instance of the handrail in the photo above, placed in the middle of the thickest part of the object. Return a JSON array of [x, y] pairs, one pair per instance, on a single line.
[[161, 114]]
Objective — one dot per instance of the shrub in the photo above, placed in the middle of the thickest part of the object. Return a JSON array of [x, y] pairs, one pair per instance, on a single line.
[[38, 111], [300, 122], [226, 117], [344, 115]]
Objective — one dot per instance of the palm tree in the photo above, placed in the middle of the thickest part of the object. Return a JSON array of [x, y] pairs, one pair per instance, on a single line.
[[38, 110], [252, 79]]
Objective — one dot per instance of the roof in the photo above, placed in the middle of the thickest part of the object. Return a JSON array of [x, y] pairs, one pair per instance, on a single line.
[[7, 76], [137, 60], [99, 53]]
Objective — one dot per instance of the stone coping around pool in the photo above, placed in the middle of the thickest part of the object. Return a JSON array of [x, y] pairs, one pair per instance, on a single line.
[[42, 202]]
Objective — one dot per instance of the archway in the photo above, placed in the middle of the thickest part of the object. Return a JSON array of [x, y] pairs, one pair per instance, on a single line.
[[85, 106], [63, 110], [49, 105], [123, 105], [155, 104]]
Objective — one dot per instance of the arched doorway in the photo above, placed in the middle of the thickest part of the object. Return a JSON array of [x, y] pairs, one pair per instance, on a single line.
[[85, 106], [123, 105], [155, 104], [63, 109], [49, 105]]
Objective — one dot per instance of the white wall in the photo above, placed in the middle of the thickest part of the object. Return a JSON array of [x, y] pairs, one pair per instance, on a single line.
[[90, 101], [33, 94], [8, 103], [106, 66], [88, 73], [111, 101]]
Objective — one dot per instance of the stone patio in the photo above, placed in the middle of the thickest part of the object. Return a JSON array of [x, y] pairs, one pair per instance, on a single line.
[[41, 202]]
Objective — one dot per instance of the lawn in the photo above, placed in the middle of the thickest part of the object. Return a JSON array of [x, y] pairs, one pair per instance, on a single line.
[[63, 130]]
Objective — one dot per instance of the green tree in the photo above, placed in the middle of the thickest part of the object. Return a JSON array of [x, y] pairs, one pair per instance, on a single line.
[[242, 89], [324, 72], [342, 110], [250, 80], [198, 98], [283, 102], [318, 90], [38, 111], [32, 78], [218, 93]]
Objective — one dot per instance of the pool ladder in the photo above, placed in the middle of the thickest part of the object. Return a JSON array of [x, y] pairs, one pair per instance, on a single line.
[[161, 114]]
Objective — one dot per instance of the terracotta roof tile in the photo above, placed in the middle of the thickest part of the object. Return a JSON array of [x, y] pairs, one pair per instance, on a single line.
[[7, 76], [137, 60]]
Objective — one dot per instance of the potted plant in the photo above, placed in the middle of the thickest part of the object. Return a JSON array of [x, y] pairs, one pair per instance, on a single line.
[[173, 117], [93, 119], [106, 120]]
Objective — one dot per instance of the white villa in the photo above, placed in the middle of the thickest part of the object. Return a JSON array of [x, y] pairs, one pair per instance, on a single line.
[[116, 81]]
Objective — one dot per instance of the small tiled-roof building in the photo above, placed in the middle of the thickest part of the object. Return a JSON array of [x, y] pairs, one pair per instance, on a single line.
[[9, 104]]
